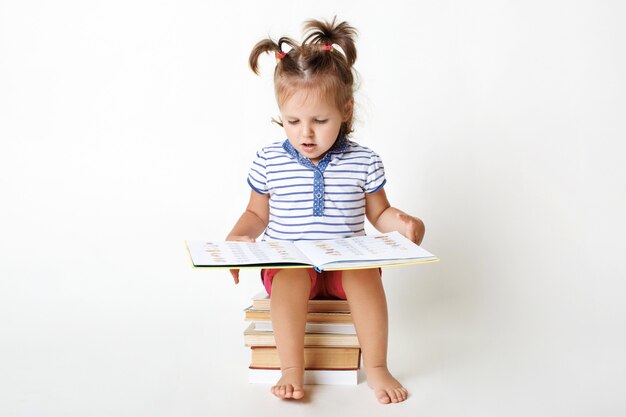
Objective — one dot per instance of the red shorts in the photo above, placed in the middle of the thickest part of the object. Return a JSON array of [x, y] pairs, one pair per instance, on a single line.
[[326, 284]]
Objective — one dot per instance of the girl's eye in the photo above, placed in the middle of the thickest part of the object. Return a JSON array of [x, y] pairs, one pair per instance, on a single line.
[[321, 122], [293, 122]]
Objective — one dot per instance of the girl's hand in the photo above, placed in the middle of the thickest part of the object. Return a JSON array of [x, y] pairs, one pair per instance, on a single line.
[[413, 228], [235, 272]]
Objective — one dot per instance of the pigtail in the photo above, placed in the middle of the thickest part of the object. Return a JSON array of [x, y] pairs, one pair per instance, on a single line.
[[328, 33], [289, 42], [266, 45]]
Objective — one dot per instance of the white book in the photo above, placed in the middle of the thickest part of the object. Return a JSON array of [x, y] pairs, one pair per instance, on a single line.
[[311, 377], [331, 328], [253, 337], [358, 252]]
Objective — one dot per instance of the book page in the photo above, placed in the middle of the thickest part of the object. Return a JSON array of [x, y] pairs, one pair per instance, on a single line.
[[230, 254], [365, 250]]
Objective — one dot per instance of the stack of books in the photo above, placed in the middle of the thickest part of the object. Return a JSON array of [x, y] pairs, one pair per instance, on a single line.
[[332, 352], [331, 349]]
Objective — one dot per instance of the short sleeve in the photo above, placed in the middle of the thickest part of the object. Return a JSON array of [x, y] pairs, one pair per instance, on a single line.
[[375, 174], [257, 176]]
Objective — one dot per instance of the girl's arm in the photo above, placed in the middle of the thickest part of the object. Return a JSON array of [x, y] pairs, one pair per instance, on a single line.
[[254, 220], [388, 219], [251, 223]]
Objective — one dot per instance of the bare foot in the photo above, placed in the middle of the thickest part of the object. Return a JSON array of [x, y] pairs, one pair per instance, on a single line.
[[290, 384], [386, 388]]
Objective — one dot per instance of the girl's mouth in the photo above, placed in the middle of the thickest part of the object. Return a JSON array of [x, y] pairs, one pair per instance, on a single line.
[[308, 147]]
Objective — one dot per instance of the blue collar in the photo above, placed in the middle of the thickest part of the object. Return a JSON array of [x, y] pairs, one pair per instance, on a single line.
[[340, 146]]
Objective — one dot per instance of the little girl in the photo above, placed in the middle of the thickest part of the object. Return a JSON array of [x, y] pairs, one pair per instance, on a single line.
[[318, 184]]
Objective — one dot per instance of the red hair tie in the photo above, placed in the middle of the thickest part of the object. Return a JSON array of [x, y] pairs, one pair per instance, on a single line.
[[327, 47], [280, 55]]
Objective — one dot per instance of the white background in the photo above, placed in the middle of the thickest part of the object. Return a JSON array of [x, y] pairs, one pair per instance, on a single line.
[[128, 126]]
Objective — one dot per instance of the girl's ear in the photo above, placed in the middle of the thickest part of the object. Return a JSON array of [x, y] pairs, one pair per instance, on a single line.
[[348, 110]]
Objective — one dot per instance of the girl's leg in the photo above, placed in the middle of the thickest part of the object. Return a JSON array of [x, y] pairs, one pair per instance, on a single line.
[[366, 297], [289, 301]]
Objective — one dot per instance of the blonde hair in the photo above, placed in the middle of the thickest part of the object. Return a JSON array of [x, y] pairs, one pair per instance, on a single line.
[[315, 64]]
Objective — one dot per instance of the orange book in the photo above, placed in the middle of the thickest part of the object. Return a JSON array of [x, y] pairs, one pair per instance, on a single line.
[[328, 358]]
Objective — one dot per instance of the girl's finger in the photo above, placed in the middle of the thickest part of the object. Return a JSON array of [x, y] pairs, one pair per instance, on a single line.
[[235, 274]]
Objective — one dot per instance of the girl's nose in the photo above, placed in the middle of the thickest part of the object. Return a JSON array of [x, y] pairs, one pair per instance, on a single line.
[[306, 132]]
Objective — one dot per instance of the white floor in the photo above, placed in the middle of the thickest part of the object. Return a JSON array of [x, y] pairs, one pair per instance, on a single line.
[[172, 350]]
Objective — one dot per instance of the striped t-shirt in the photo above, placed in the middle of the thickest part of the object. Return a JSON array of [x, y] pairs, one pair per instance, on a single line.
[[313, 202]]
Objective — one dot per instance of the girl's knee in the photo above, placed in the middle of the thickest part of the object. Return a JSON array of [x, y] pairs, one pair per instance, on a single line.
[[291, 274], [360, 276], [291, 280]]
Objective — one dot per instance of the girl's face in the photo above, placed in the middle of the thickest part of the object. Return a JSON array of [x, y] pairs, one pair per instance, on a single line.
[[311, 123]]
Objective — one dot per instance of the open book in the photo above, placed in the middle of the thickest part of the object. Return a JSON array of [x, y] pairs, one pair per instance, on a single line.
[[359, 252]]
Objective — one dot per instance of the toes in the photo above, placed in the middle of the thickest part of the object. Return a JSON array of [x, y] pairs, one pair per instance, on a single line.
[[298, 392], [404, 393], [289, 391], [397, 395], [279, 391], [400, 395], [392, 395], [382, 396]]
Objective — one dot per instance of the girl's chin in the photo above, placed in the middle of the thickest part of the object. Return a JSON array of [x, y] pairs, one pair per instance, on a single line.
[[312, 154]]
